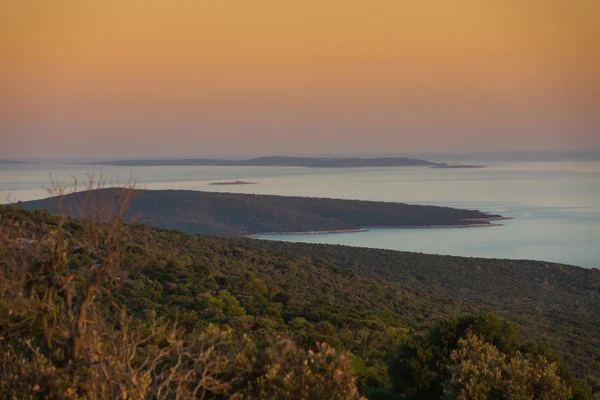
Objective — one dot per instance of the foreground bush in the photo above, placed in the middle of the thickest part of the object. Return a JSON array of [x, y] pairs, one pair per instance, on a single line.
[[481, 371], [292, 373], [480, 357], [125, 364]]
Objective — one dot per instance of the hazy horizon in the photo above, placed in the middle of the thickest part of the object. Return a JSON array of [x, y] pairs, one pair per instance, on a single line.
[[159, 79], [481, 156]]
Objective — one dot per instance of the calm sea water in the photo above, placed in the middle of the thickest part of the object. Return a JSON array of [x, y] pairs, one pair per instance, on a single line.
[[555, 206]]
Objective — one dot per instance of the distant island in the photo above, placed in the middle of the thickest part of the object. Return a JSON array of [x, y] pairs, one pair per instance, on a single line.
[[3, 161], [310, 162], [232, 183], [197, 212], [452, 165]]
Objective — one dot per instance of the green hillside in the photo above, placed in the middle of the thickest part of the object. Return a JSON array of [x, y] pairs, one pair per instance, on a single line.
[[392, 322]]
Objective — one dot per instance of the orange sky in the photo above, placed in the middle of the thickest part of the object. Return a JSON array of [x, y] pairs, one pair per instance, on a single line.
[[167, 78]]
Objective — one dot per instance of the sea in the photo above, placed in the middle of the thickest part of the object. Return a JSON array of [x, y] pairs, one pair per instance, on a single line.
[[554, 206]]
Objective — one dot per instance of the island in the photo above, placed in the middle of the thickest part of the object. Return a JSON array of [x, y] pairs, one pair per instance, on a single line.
[[4, 161], [276, 161], [455, 165], [232, 183]]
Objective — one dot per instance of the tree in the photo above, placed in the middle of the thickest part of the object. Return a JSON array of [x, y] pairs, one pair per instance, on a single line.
[[422, 363], [480, 371]]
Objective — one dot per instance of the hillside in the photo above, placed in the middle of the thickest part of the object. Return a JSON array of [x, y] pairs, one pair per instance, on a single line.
[[553, 302], [196, 212], [311, 162], [367, 302], [361, 300]]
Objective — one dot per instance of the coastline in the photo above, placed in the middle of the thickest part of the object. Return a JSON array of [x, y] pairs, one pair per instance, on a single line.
[[368, 228], [311, 232], [487, 219], [480, 225], [232, 183]]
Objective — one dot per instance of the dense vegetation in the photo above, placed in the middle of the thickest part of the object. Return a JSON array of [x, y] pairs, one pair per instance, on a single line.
[[116, 310], [242, 214], [552, 302], [312, 162]]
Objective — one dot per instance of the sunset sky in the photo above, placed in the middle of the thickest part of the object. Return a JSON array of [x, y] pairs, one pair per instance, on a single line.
[[133, 78]]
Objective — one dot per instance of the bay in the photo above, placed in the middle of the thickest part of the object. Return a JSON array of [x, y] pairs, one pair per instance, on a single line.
[[555, 206]]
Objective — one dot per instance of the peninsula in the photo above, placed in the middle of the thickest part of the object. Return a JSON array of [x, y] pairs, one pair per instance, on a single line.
[[197, 212]]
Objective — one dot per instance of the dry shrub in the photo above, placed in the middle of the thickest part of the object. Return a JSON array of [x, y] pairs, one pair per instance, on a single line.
[[127, 363], [44, 291], [211, 363]]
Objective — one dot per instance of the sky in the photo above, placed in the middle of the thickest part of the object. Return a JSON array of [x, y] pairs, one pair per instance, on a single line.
[[163, 78]]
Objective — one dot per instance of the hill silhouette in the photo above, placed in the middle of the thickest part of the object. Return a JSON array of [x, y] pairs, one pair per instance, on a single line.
[[276, 161], [196, 212]]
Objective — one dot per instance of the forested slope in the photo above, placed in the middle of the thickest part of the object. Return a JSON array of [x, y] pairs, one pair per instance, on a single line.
[[555, 302], [379, 306]]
